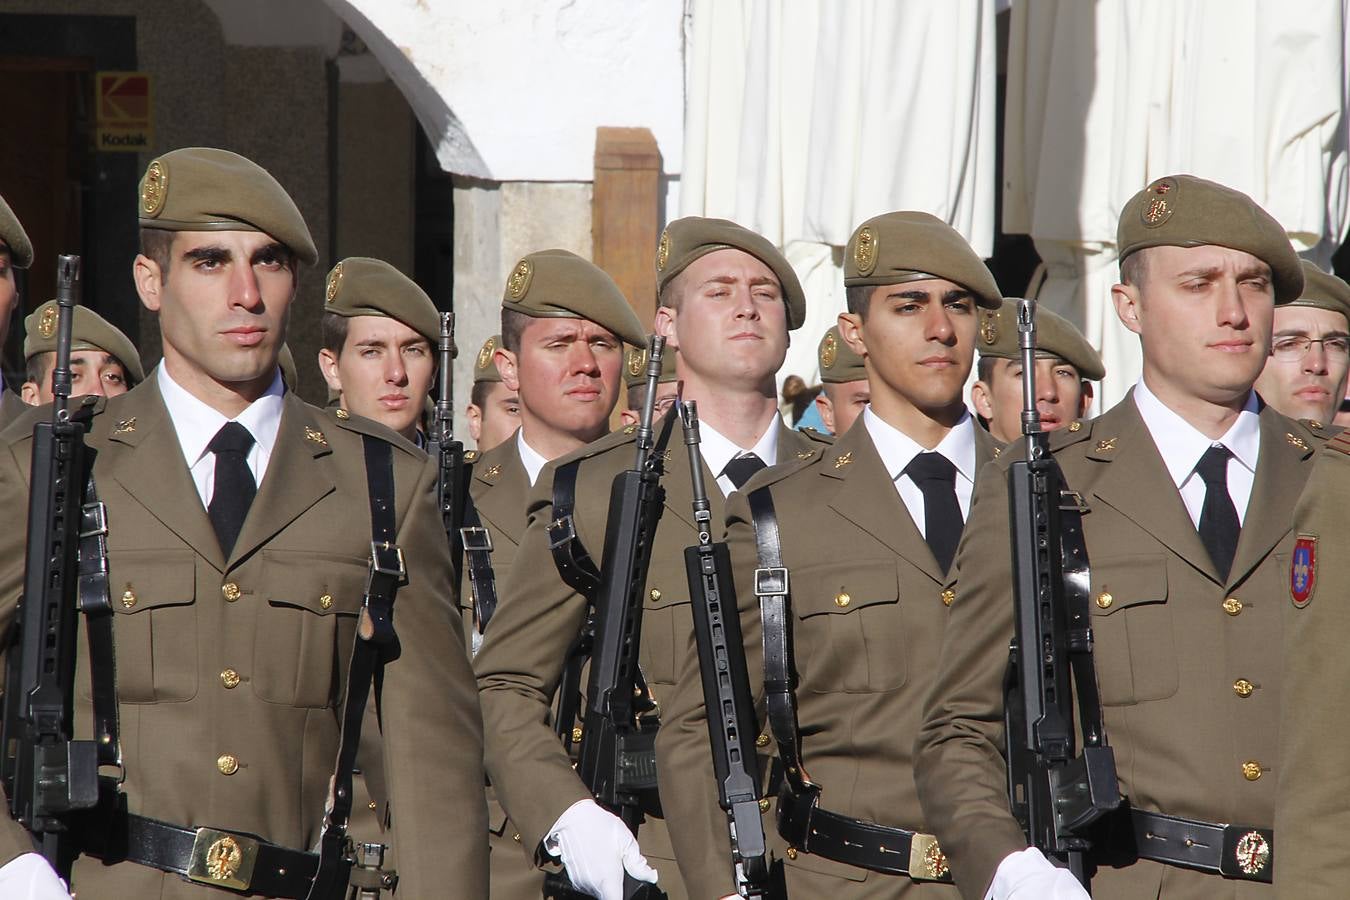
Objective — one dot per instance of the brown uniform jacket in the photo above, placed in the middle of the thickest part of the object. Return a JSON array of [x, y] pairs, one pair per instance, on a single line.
[[1172, 639], [11, 406], [280, 612], [1311, 812], [864, 664], [520, 662]]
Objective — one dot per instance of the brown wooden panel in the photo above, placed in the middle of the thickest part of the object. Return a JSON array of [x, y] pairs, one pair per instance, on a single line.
[[626, 213]]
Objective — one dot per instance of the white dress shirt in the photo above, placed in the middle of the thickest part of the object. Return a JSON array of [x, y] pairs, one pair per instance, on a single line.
[[196, 424], [718, 450], [1181, 445], [897, 449], [533, 462]]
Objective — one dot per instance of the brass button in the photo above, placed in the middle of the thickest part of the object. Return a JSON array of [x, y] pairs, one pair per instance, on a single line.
[[230, 590], [792, 853], [842, 599], [326, 601], [516, 837], [576, 734], [762, 741], [948, 597], [1243, 688], [764, 804], [373, 805], [655, 594], [227, 763], [1251, 770], [1232, 606], [229, 678], [128, 598], [1104, 600]]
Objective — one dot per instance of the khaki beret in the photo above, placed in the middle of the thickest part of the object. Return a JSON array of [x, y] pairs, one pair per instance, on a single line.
[[897, 247], [635, 367], [838, 363], [361, 286], [484, 369], [286, 360], [12, 233], [558, 284], [90, 331], [1056, 337], [1185, 211], [1323, 291], [204, 189], [687, 239]]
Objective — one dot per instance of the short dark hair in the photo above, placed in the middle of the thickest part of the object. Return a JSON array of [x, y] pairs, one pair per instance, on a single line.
[[857, 297], [672, 293], [984, 369], [38, 365], [333, 329], [156, 243], [1134, 268], [513, 326], [478, 393]]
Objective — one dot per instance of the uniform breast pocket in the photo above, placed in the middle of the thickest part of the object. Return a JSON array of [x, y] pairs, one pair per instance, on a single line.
[[154, 624], [306, 625], [667, 624], [850, 636], [1134, 646]]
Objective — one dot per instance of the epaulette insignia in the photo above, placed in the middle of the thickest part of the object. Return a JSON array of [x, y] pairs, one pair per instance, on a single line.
[[998, 451], [1315, 425], [125, 426], [342, 414], [1075, 426], [1106, 445], [313, 434], [492, 472], [1295, 440], [470, 455], [843, 459], [629, 429]]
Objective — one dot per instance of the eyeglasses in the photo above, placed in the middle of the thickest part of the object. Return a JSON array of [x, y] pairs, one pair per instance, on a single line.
[[1294, 348]]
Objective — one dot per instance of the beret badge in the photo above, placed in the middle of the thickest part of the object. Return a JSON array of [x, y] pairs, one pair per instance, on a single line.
[[334, 284], [154, 189], [47, 324], [1159, 208], [519, 281], [865, 251], [829, 351], [485, 355], [989, 329], [663, 251], [637, 358]]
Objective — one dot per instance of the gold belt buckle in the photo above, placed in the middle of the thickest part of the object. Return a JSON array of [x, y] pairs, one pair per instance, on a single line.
[[223, 859], [927, 862]]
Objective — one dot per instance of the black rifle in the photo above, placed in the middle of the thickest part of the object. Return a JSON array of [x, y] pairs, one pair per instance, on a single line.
[[617, 762], [1054, 792], [46, 774], [726, 685], [451, 474]]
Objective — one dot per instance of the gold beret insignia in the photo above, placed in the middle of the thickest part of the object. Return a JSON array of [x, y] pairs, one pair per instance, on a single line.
[[154, 189], [637, 358], [519, 282], [829, 351], [1158, 209], [334, 284], [989, 329], [47, 325], [865, 251], [663, 251], [485, 355]]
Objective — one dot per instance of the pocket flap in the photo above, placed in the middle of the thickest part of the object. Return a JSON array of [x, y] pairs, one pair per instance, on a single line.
[[146, 579], [322, 583], [1123, 581], [840, 589]]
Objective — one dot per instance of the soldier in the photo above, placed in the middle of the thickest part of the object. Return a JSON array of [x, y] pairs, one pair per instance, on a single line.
[[1305, 376], [103, 361], [727, 299], [1188, 485], [1066, 366], [493, 412], [635, 378], [564, 324], [238, 551], [380, 332], [16, 252], [872, 520], [844, 389]]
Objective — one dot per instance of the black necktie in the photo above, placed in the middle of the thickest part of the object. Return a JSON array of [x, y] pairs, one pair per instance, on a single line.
[[1219, 526], [936, 478], [235, 486], [741, 468]]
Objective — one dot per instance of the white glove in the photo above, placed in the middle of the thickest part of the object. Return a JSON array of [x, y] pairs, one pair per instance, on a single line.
[[596, 848], [1028, 875], [28, 877]]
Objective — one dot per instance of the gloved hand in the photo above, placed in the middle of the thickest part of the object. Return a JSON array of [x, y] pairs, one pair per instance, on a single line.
[[1028, 875], [29, 877], [596, 848]]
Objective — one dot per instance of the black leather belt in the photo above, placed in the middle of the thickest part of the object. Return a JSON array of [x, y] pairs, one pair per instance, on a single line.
[[893, 851], [1234, 851], [223, 859]]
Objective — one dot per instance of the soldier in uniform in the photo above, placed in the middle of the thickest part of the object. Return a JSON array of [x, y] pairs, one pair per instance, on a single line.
[[238, 551], [380, 333], [16, 252], [727, 300], [1305, 376], [844, 392], [635, 379], [1066, 366], [103, 361], [493, 412], [1188, 485], [867, 529], [564, 326]]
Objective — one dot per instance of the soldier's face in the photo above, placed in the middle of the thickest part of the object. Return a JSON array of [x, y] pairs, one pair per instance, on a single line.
[[1203, 316], [497, 419], [9, 291], [92, 372], [841, 404], [222, 310], [1061, 396], [1310, 386], [384, 372], [567, 375], [918, 342], [730, 325]]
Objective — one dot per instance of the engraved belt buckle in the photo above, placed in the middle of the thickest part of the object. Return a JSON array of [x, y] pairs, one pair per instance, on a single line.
[[223, 859], [927, 862]]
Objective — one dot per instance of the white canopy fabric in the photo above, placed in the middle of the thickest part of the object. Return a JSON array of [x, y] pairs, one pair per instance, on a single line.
[[805, 117], [1104, 97]]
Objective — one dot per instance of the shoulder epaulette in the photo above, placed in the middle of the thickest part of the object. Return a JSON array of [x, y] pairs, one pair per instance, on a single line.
[[1321, 431], [819, 437], [1075, 431], [1340, 443], [346, 421]]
